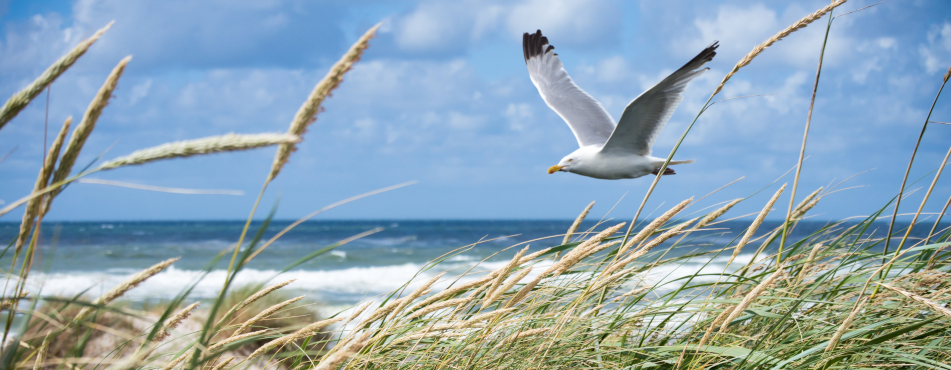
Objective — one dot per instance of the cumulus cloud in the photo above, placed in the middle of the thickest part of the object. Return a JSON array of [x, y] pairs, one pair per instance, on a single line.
[[190, 34], [453, 26], [575, 23], [936, 54]]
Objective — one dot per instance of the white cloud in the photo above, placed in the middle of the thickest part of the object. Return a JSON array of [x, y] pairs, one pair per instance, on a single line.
[[429, 27], [612, 69], [936, 55], [140, 91], [437, 25], [463, 121], [861, 71], [570, 22], [519, 116], [737, 28]]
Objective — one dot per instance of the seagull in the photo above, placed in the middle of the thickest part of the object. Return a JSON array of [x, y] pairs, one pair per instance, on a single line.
[[608, 150]]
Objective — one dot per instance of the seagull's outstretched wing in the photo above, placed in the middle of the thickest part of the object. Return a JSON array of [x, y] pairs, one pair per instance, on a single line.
[[646, 115], [589, 121]]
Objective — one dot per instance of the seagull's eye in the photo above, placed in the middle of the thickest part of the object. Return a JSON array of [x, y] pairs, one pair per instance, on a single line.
[[571, 160]]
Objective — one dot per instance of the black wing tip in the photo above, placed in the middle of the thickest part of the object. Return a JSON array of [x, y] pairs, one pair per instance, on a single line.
[[710, 51], [533, 44], [705, 56]]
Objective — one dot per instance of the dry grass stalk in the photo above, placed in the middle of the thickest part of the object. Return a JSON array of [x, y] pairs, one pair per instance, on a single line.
[[127, 285], [716, 214], [308, 111], [233, 339], [130, 362], [454, 290], [171, 364], [751, 296], [502, 274], [504, 288], [40, 353], [798, 213], [917, 298], [755, 225], [264, 314], [482, 317], [667, 235], [805, 205], [174, 321], [946, 75], [253, 298], [603, 282], [223, 364], [33, 206], [600, 247], [805, 201], [577, 254], [654, 225], [299, 334], [583, 250], [716, 322], [207, 145], [532, 256], [357, 311], [779, 36], [845, 325], [809, 260], [438, 306], [336, 358], [524, 334], [636, 291], [417, 293], [85, 127], [385, 310], [311, 329], [641, 251], [576, 224], [425, 335], [21, 99]]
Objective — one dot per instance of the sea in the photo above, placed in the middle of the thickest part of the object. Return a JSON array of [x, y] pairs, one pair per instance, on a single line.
[[91, 257]]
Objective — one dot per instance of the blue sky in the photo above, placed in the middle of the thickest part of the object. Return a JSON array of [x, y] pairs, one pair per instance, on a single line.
[[442, 96]]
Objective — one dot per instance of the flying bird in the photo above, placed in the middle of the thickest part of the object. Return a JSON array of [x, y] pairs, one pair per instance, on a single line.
[[608, 150]]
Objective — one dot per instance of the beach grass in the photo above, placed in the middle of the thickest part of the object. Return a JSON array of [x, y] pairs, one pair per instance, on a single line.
[[595, 299]]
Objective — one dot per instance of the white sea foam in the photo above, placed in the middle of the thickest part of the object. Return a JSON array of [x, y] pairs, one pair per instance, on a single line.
[[351, 281], [349, 284]]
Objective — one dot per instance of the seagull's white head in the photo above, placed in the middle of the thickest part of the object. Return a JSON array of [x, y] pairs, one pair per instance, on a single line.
[[575, 160], [564, 165]]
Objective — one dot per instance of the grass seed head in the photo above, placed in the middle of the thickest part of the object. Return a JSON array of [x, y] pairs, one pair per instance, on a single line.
[[21, 99], [308, 111], [351, 348], [33, 205], [207, 145], [779, 36], [174, 321], [756, 223], [576, 224], [654, 225], [85, 127]]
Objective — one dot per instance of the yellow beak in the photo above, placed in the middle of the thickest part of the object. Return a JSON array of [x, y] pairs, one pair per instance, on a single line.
[[554, 169]]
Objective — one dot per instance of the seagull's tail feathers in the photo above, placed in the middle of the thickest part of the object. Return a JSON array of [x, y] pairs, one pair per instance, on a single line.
[[682, 162]]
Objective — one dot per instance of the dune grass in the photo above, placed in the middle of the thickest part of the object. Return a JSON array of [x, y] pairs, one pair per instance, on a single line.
[[598, 299]]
